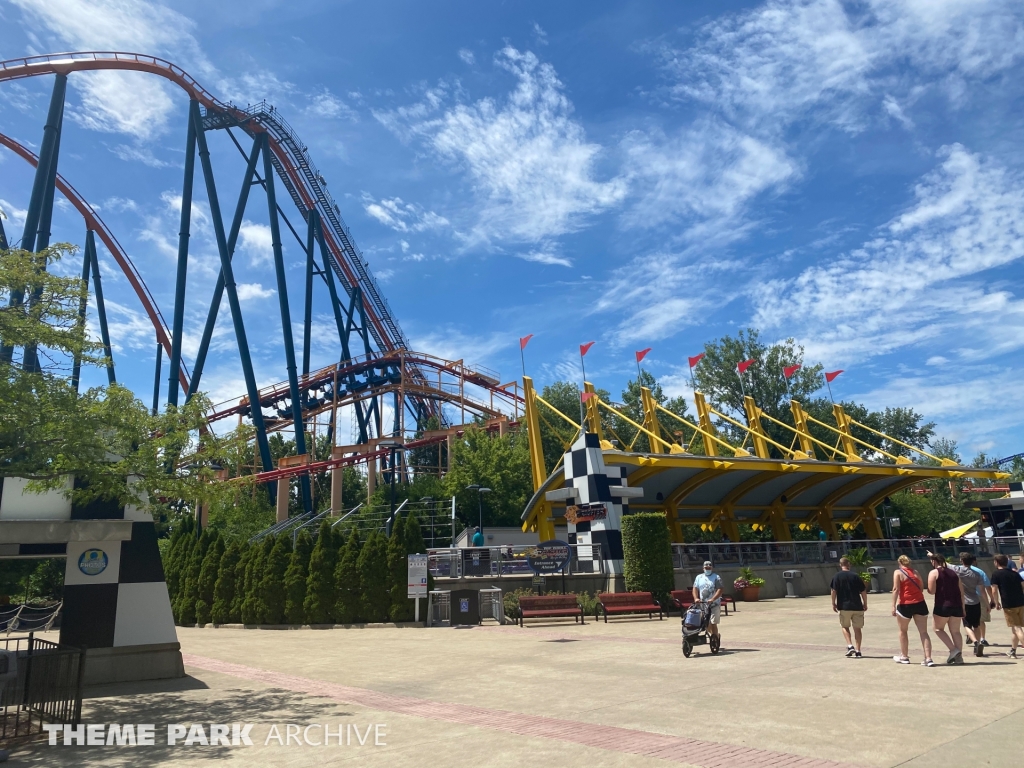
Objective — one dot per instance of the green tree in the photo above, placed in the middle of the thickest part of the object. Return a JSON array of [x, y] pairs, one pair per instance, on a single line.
[[557, 434], [274, 592], [295, 578], [349, 605], [499, 463], [398, 571], [208, 573], [647, 555], [253, 606], [176, 558], [224, 589], [242, 571], [185, 609], [320, 592], [373, 578], [632, 407]]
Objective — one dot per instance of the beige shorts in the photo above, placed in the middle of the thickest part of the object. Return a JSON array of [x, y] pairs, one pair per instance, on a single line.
[[851, 618], [1014, 616], [716, 614], [986, 612]]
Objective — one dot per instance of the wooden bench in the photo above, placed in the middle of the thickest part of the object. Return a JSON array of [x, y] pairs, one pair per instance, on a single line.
[[683, 599], [628, 602], [549, 606]]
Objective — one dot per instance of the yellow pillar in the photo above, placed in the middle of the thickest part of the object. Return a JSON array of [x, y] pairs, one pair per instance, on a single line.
[[728, 523], [704, 420], [651, 423], [846, 436], [828, 523], [675, 528], [756, 428], [780, 526], [872, 527], [803, 433], [539, 473], [593, 415]]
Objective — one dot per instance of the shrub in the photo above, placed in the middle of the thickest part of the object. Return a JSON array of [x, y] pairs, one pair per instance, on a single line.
[[248, 551], [647, 551], [295, 579], [349, 606], [588, 603], [510, 601], [401, 608], [224, 589], [208, 572], [747, 575], [273, 586], [320, 592], [189, 595], [252, 605], [373, 578]]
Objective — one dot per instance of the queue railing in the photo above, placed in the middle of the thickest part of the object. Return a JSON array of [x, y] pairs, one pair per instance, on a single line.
[[498, 562]]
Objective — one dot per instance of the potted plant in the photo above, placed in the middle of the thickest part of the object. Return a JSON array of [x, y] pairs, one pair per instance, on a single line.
[[859, 559], [748, 585]]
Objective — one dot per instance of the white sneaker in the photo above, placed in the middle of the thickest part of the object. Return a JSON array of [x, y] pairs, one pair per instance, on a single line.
[[901, 659]]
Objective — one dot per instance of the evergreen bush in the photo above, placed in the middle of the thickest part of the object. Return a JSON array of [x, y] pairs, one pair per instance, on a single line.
[[349, 606], [320, 592], [295, 579], [208, 572], [252, 604], [224, 589], [189, 594], [647, 550], [174, 560], [241, 570], [273, 587], [373, 578], [401, 607]]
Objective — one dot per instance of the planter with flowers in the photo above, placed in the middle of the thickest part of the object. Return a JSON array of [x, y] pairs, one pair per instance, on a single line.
[[748, 585]]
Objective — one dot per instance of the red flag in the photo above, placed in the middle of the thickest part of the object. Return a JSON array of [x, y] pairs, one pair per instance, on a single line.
[[695, 359], [584, 348], [584, 396], [642, 354], [742, 367], [830, 377], [524, 341], [789, 370]]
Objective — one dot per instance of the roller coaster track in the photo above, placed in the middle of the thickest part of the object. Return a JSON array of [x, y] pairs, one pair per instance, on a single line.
[[304, 182]]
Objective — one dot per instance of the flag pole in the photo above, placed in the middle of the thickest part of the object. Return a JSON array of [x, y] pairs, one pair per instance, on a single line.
[[829, 385], [522, 358], [583, 365]]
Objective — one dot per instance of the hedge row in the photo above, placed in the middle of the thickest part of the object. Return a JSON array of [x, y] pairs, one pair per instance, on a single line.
[[326, 579], [647, 554]]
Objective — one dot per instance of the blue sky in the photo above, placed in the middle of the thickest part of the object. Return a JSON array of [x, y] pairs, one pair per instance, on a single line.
[[639, 174]]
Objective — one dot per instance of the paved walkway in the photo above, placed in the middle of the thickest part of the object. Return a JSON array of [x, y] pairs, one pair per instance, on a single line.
[[781, 693]]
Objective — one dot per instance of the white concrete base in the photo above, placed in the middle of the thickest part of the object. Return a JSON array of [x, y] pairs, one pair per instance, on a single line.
[[132, 663]]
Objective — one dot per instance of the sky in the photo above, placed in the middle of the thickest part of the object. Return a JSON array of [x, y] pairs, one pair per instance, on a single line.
[[848, 174]]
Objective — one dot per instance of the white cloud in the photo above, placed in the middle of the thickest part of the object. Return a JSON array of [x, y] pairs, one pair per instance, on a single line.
[[405, 246], [530, 164], [14, 215], [139, 154], [323, 103], [402, 216], [546, 256], [126, 102], [257, 241], [922, 277], [247, 291], [467, 56]]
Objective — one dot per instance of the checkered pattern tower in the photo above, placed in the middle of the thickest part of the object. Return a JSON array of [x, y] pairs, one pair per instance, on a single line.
[[601, 494]]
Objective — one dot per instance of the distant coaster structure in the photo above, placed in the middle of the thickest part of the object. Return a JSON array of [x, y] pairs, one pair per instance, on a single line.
[[374, 357]]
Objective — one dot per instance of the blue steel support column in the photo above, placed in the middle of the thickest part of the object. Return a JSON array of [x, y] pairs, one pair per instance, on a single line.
[[236, 311], [83, 303], [156, 378], [178, 322], [101, 308], [3, 237], [39, 185], [307, 319], [218, 291], [286, 320]]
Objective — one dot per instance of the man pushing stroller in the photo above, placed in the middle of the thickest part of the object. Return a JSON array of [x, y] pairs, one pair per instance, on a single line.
[[707, 587]]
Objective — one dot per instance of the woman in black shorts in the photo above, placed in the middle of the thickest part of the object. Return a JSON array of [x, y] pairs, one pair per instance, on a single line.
[[908, 605], [949, 607]]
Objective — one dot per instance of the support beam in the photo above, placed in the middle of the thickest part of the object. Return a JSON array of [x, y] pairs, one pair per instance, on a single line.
[[651, 423], [846, 435], [252, 390], [286, 320], [593, 415], [780, 526], [307, 317], [545, 526], [757, 433], [101, 307], [704, 420], [218, 290], [156, 378], [184, 229], [803, 432], [83, 303]]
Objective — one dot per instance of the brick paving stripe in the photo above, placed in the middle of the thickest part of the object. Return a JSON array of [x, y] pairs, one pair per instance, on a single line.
[[707, 754]]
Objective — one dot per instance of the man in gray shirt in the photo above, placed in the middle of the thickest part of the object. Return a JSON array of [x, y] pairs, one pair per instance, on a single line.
[[974, 593]]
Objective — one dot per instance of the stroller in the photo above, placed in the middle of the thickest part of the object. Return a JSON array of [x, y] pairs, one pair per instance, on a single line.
[[695, 629]]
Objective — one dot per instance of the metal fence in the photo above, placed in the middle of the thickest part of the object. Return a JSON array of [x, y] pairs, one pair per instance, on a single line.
[[46, 688], [691, 556], [498, 562]]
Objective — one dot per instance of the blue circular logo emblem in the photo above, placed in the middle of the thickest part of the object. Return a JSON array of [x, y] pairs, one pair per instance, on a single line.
[[93, 562]]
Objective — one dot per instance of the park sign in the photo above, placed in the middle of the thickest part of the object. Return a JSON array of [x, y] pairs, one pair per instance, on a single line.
[[417, 576], [549, 557]]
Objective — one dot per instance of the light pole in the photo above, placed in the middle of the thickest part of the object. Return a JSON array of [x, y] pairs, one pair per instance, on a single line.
[[480, 491], [392, 445]]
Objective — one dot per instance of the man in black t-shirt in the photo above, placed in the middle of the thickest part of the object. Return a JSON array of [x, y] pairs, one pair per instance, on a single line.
[[1009, 594], [849, 600]]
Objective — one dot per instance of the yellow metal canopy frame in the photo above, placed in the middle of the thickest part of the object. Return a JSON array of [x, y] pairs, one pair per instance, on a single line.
[[698, 477]]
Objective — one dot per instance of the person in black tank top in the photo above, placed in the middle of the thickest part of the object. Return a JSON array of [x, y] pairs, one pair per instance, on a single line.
[[949, 606]]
